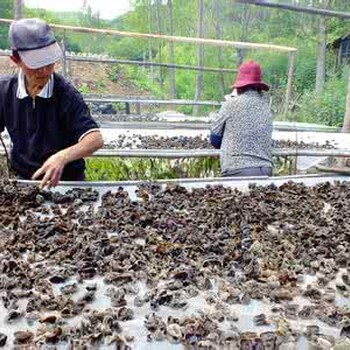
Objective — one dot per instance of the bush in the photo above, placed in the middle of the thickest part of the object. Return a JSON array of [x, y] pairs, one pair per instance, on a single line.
[[138, 76], [327, 108], [84, 89], [114, 72]]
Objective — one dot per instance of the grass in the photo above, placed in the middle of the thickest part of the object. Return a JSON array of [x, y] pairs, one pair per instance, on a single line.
[[121, 169]]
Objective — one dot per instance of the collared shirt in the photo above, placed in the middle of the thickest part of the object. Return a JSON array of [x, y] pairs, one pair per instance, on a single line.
[[245, 124], [46, 91], [41, 130]]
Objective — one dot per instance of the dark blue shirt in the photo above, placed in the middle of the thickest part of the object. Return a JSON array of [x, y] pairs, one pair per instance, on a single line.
[[39, 130]]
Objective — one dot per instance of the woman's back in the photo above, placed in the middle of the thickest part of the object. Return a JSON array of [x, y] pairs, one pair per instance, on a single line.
[[248, 131]]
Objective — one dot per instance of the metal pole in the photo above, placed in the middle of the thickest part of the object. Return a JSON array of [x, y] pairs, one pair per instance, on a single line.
[[139, 63], [237, 182], [290, 82], [211, 42], [297, 8], [156, 64], [200, 123], [91, 98], [200, 153]]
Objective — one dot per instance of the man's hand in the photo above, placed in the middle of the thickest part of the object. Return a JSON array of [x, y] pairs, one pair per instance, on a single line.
[[52, 170], [53, 167]]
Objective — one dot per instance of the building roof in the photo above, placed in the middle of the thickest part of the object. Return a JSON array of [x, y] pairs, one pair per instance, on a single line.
[[336, 43]]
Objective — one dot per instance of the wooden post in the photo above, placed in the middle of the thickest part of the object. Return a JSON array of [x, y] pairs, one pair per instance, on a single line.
[[338, 58], [172, 91], [321, 56], [199, 77], [64, 59], [17, 9], [127, 107], [346, 122], [150, 54], [292, 56]]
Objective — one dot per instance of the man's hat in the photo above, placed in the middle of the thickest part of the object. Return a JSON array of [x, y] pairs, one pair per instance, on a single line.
[[35, 42]]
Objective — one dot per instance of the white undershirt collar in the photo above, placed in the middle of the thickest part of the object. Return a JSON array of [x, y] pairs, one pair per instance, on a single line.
[[46, 91]]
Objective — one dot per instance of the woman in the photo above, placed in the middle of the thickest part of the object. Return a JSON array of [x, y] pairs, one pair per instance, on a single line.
[[242, 128]]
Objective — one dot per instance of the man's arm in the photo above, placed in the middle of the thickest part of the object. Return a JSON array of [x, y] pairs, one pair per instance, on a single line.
[[82, 133], [53, 166]]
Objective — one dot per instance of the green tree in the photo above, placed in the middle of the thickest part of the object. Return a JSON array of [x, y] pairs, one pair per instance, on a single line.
[[6, 11]]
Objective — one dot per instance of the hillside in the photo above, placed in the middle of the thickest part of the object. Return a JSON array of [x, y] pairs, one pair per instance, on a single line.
[[92, 78]]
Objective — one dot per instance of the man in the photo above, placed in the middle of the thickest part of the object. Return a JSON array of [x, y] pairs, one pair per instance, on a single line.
[[50, 125]]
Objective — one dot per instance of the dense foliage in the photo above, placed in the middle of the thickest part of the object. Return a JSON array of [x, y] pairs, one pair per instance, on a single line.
[[6, 11], [326, 108]]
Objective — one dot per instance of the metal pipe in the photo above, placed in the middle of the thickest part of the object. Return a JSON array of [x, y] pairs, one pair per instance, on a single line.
[[140, 63], [133, 62], [89, 98], [297, 8], [199, 125], [157, 153], [195, 182], [333, 170], [181, 39], [200, 153], [292, 56], [154, 125], [143, 63], [312, 152], [176, 153]]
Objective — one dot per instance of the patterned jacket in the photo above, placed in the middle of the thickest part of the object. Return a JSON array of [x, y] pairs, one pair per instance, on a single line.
[[245, 124]]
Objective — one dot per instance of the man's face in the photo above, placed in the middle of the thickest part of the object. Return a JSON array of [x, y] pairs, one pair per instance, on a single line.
[[39, 76]]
